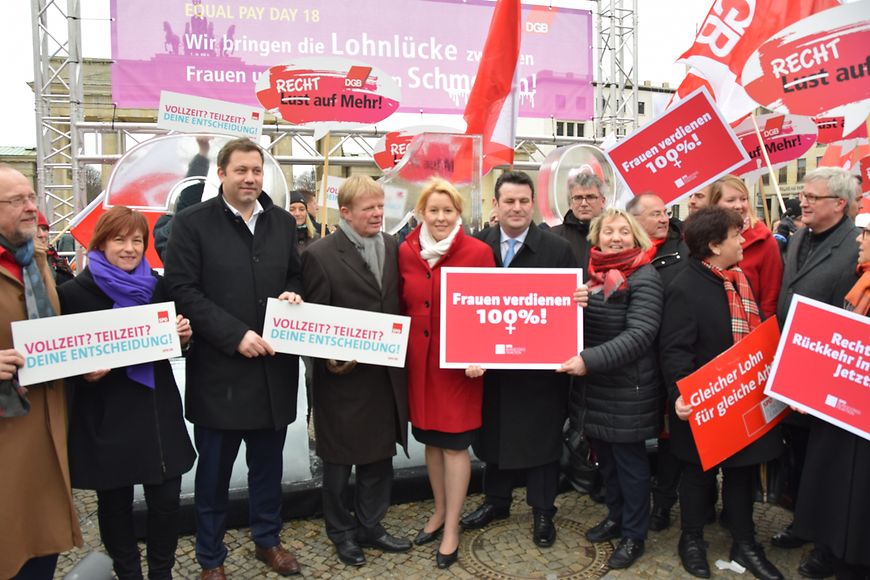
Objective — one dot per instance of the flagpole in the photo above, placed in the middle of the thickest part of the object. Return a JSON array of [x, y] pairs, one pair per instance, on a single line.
[[773, 179], [323, 213]]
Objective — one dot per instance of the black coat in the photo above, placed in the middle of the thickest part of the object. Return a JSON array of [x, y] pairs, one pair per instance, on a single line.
[[360, 416], [524, 411], [220, 277], [827, 275], [833, 505], [122, 433], [619, 399], [696, 328], [576, 232], [673, 255]]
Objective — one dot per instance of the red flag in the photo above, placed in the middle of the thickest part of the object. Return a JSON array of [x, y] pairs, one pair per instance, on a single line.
[[838, 156], [492, 107], [731, 32]]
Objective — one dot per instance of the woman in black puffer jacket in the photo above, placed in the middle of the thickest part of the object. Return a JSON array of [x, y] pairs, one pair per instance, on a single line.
[[617, 401]]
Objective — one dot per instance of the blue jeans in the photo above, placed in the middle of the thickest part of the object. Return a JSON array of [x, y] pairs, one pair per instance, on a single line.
[[217, 451]]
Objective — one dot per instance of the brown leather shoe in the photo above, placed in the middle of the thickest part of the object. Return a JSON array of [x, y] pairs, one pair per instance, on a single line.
[[279, 559], [212, 574]]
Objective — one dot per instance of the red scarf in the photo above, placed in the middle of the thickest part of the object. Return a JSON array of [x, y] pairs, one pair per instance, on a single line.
[[741, 302], [610, 272], [654, 249], [859, 295]]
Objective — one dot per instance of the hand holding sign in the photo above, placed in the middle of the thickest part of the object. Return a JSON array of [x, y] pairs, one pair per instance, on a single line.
[[184, 329], [682, 409], [573, 366], [10, 360]]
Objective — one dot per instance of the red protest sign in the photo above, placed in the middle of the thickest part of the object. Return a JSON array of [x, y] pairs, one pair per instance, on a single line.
[[831, 130], [815, 64], [822, 364], [730, 409], [328, 91], [491, 318], [683, 150], [865, 174], [786, 137], [391, 148]]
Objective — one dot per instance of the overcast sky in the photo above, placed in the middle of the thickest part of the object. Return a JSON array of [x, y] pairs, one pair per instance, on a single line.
[[666, 29]]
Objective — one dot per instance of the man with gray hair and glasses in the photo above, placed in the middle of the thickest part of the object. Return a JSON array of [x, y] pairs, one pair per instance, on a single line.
[[586, 198], [39, 520], [819, 264]]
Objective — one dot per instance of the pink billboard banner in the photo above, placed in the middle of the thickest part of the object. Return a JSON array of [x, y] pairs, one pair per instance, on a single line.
[[431, 49]]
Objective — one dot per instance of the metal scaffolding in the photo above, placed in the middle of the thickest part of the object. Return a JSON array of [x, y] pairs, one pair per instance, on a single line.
[[59, 100], [616, 91], [61, 130]]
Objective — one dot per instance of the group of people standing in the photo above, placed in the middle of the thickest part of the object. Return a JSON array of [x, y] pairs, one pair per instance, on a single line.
[[661, 299], [720, 275]]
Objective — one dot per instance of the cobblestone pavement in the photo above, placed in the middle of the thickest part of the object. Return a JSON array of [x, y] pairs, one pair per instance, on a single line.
[[503, 550]]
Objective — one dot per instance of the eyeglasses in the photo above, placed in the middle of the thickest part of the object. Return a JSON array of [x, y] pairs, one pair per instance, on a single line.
[[812, 199], [864, 234], [587, 198], [658, 214], [17, 202]]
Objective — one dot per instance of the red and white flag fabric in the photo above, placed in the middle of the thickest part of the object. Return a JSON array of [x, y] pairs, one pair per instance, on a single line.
[[492, 104], [731, 32]]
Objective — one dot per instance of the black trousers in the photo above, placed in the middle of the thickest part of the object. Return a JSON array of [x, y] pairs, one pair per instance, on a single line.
[[667, 479], [625, 469], [39, 568], [737, 484], [370, 500], [115, 516], [542, 484]]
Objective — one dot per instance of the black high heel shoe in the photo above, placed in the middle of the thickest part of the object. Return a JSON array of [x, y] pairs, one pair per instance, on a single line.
[[425, 537], [445, 561]]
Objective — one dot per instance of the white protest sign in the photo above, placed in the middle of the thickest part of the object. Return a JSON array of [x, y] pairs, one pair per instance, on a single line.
[[190, 114], [74, 344], [337, 333], [333, 184]]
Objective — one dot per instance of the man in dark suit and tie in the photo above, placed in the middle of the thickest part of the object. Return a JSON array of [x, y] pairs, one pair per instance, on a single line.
[[523, 410]]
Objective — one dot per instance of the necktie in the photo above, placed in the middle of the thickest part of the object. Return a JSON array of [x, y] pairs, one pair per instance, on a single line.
[[511, 252]]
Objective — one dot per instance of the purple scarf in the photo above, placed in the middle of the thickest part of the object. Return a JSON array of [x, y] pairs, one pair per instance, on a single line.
[[125, 289]]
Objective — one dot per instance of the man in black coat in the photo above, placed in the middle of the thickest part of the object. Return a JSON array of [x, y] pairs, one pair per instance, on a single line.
[[225, 258], [523, 410], [665, 233], [586, 197], [670, 258], [819, 264]]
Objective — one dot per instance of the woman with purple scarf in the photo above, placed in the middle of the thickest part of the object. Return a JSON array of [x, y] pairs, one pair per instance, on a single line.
[[126, 424]]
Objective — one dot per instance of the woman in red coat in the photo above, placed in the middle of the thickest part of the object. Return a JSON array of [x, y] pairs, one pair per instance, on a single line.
[[445, 404], [761, 263]]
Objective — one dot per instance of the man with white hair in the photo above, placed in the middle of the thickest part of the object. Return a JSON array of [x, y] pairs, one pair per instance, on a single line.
[[819, 264]]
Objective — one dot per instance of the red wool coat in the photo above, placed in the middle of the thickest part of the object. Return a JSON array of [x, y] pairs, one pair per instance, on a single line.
[[438, 399], [762, 265]]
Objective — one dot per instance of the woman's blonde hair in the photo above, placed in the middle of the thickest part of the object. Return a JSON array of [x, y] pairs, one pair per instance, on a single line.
[[716, 193], [640, 236], [438, 185]]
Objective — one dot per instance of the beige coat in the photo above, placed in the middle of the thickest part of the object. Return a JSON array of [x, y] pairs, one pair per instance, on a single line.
[[37, 517]]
